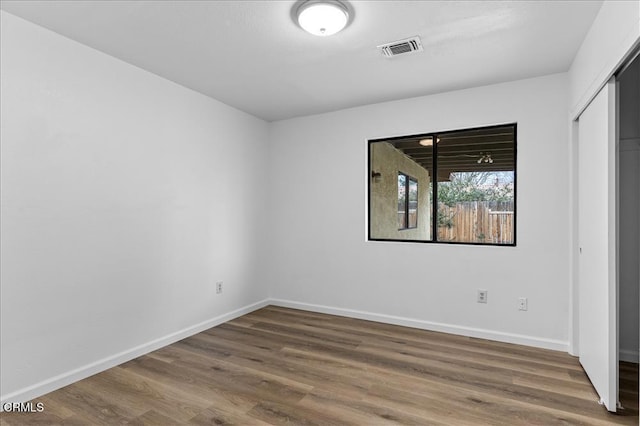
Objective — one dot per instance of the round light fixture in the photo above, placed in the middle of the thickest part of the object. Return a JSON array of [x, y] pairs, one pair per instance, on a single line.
[[322, 17], [428, 141]]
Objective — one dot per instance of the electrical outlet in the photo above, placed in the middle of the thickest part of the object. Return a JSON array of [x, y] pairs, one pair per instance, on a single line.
[[482, 296], [522, 303], [219, 287]]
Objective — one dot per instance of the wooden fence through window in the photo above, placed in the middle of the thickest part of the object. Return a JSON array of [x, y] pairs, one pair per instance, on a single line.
[[489, 222]]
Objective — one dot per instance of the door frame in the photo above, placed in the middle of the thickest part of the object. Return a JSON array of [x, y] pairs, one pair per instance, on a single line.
[[574, 293]]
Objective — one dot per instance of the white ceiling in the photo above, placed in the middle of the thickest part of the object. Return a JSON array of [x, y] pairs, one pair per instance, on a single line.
[[251, 55]]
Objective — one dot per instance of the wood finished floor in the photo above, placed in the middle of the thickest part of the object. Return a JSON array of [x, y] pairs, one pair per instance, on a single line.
[[283, 366]]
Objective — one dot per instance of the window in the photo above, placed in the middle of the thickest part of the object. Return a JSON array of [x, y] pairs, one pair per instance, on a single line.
[[448, 187], [407, 202]]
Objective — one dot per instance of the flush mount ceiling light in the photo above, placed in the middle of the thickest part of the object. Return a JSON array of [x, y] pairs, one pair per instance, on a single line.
[[322, 17], [428, 141]]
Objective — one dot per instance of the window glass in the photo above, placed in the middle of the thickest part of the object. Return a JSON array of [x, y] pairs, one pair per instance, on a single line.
[[402, 200], [467, 177], [407, 202], [412, 206]]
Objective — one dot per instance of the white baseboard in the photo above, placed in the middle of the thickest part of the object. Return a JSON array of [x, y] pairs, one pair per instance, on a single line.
[[57, 382], [629, 356], [499, 336]]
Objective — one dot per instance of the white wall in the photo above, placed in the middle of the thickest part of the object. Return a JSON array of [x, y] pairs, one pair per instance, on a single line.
[[614, 32], [124, 198], [629, 198], [319, 258]]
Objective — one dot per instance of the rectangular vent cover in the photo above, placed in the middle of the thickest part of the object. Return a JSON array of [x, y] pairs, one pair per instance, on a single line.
[[401, 47]]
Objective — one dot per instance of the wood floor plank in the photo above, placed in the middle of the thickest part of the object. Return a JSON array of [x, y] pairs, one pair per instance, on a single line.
[[399, 379], [279, 366], [281, 414], [177, 377], [361, 411], [44, 419], [342, 381], [152, 418], [215, 415], [126, 387], [91, 404], [242, 381], [389, 334], [461, 354]]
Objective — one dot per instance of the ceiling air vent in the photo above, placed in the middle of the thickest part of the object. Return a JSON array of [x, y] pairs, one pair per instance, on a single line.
[[400, 47]]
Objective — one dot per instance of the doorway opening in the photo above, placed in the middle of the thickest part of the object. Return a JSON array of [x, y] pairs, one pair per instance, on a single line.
[[628, 95]]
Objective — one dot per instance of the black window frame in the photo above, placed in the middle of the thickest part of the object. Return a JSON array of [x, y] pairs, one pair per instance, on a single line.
[[434, 194]]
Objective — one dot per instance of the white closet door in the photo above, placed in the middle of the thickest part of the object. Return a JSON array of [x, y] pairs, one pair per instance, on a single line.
[[598, 297]]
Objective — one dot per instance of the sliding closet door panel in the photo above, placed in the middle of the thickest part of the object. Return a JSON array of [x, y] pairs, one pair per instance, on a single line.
[[597, 239]]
